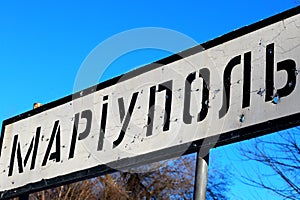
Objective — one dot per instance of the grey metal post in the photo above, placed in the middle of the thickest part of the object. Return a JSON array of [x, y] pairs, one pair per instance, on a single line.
[[201, 177]]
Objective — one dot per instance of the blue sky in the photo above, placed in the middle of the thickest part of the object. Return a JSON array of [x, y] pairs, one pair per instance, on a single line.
[[42, 45]]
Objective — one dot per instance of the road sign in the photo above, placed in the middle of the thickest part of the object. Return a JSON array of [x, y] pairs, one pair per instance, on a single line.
[[244, 84]]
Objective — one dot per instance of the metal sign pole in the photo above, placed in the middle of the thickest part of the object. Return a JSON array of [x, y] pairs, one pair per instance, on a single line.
[[201, 177]]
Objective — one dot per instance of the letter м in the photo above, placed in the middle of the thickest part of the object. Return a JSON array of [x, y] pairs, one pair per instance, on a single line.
[[16, 149]]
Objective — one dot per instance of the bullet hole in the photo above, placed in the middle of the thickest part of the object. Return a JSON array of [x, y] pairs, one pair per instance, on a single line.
[[270, 51], [70, 104], [63, 146], [142, 139], [180, 141], [4, 147], [261, 91], [275, 99], [139, 107], [3, 171], [89, 155], [216, 91], [242, 118]]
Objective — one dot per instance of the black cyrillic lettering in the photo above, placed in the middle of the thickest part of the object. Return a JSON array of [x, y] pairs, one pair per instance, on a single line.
[[269, 72], [166, 86], [227, 82], [126, 121], [247, 80], [55, 135], [151, 110], [103, 124], [205, 75], [187, 117], [16, 148], [74, 136], [87, 114], [290, 67], [287, 65]]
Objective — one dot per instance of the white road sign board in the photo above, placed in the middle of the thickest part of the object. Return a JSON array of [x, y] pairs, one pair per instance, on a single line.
[[242, 85]]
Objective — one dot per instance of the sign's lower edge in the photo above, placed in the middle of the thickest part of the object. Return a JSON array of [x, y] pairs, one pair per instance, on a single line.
[[127, 163]]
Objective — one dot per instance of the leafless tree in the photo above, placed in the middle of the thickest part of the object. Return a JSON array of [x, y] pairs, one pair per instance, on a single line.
[[280, 154], [84, 190], [218, 184], [173, 180]]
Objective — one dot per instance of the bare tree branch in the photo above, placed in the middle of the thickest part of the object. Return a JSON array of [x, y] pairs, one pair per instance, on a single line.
[[281, 154]]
